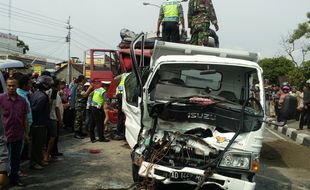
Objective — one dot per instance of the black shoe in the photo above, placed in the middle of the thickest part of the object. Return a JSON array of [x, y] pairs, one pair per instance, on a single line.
[[118, 137], [104, 140], [77, 136], [58, 154], [17, 184], [93, 141], [83, 134]]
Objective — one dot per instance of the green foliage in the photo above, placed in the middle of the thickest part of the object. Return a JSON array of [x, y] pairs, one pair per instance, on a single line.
[[305, 69], [23, 45], [303, 30], [297, 78], [275, 67]]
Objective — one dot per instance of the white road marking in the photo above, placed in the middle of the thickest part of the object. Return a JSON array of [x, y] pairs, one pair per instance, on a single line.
[[275, 134]]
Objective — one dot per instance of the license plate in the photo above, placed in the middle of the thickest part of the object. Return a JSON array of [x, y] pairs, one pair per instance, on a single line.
[[184, 176]]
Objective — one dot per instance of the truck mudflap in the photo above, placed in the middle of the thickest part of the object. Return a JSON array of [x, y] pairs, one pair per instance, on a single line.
[[191, 176]]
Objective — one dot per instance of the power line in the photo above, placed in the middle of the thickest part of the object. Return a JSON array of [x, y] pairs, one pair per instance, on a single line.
[[87, 40], [36, 23], [50, 18], [29, 17], [79, 47], [41, 39], [92, 37], [5, 29], [80, 43]]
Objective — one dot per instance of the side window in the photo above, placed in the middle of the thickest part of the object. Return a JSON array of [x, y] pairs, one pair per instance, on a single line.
[[132, 91]]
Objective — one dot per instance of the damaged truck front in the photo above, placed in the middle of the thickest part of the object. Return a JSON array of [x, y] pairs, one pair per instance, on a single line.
[[192, 118]]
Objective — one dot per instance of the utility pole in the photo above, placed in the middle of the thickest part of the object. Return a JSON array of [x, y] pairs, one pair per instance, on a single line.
[[68, 39], [10, 16]]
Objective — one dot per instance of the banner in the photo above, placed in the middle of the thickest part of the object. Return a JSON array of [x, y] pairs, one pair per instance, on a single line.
[[37, 69]]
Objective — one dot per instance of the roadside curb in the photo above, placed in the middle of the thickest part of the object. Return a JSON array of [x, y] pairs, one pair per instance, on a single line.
[[294, 134]]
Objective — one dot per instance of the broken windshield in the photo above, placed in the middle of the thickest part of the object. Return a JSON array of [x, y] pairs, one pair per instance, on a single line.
[[190, 75], [220, 81]]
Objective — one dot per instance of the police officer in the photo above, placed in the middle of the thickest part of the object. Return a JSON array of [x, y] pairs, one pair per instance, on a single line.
[[171, 13], [97, 107], [200, 14], [120, 115]]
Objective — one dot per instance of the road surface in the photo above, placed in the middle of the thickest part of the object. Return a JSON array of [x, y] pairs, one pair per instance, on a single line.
[[285, 166]]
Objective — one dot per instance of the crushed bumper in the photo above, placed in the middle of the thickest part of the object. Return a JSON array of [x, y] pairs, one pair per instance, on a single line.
[[191, 176]]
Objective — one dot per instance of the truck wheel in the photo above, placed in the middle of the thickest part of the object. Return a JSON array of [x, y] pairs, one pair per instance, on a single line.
[[135, 174]]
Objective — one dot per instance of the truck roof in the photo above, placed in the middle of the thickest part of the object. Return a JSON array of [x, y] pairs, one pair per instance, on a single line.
[[206, 58], [162, 48]]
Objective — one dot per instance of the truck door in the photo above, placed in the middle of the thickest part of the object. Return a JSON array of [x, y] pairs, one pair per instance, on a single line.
[[132, 110]]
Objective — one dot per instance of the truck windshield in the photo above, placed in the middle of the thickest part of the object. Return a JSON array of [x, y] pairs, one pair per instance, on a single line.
[[231, 82], [190, 75]]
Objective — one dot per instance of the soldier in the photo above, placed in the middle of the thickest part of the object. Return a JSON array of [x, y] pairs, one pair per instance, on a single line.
[[171, 12], [80, 106], [200, 14]]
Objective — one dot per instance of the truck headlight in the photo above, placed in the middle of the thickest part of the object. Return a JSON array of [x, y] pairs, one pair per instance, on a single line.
[[236, 160]]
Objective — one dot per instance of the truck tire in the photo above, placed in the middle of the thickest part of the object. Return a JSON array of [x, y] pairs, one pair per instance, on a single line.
[[135, 173]]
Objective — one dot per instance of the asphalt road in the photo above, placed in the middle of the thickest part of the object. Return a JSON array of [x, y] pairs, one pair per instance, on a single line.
[[285, 166]]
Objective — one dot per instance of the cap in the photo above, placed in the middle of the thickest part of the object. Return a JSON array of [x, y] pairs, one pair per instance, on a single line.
[[87, 84], [308, 81], [106, 82]]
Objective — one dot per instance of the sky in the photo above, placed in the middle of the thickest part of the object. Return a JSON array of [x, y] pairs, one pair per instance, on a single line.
[[252, 25]]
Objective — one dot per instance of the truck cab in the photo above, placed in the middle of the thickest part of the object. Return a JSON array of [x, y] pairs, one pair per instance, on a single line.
[[192, 118]]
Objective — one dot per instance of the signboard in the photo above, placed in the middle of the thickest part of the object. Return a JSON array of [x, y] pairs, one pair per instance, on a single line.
[[37, 69], [98, 59], [87, 73]]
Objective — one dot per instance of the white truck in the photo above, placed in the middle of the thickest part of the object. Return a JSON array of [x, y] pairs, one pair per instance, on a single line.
[[191, 117]]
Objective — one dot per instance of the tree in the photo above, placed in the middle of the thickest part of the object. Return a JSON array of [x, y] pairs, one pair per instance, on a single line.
[[305, 69], [22, 44], [297, 78], [275, 67], [298, 41]]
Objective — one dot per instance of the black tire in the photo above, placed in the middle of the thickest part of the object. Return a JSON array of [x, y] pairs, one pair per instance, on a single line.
[[135, 173]]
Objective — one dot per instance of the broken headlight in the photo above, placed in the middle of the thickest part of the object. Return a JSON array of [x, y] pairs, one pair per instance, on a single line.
[[236, 160]]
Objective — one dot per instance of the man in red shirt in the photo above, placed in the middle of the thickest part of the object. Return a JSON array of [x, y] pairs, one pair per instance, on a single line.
[[14, 118]]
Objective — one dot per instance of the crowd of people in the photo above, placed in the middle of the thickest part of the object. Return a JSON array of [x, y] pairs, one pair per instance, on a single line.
[[276, 97], [35, 108]]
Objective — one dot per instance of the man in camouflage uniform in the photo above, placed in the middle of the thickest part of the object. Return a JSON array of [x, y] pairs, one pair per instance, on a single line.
[[80, 106], [200, 14]]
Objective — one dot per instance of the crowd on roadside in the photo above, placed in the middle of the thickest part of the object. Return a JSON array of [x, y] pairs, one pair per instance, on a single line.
[[35, 108], [277, 96]]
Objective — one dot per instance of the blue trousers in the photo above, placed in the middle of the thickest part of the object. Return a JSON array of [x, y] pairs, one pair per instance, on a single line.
[[14, 149]]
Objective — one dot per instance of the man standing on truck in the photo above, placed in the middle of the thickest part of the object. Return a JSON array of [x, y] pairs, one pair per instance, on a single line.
[[170, 14], [200, 14]]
